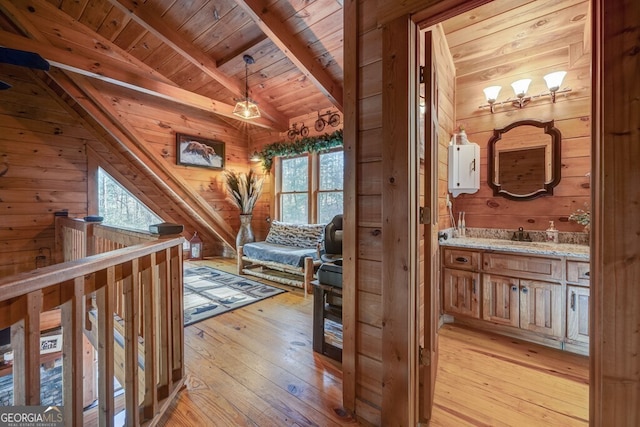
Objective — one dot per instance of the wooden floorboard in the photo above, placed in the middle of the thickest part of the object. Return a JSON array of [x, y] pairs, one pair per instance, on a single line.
[[255, 366]]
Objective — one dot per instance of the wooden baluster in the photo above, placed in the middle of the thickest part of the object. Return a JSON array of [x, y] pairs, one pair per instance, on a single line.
[[72, 334], [25, 340], [105, 302], [164, 316], [177, 311], [149, 286], [131, 319]]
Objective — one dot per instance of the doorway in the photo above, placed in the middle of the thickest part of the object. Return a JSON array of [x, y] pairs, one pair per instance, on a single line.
[[498, 44]]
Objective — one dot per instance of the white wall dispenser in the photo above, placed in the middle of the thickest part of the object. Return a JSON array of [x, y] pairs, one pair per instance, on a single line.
[[464, 165]]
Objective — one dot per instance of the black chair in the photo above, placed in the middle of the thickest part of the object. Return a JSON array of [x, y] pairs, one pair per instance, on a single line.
[[333, 241]]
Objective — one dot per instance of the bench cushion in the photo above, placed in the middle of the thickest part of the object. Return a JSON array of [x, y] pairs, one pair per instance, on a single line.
[[296, 235], [282, 254]]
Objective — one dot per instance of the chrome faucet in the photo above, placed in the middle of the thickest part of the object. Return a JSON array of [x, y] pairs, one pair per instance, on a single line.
[[519, 236]]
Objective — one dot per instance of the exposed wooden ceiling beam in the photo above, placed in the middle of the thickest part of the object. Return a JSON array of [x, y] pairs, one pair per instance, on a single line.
[[293, 49], [123, 77], [150, 21]]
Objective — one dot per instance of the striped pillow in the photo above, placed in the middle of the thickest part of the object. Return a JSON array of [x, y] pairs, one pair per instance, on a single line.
[[297, 235]]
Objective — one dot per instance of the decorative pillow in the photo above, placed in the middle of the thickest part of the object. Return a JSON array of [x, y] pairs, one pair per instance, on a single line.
[[298, 235]]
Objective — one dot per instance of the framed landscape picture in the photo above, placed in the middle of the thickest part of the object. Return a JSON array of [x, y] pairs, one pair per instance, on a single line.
[[200, 152]]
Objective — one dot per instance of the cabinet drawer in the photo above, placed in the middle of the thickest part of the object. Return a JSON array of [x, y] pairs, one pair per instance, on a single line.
[[578, 272], [525, 266], [461, 259]]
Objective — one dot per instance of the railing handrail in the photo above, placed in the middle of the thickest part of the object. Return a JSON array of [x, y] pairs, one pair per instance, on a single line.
[[34, 280]]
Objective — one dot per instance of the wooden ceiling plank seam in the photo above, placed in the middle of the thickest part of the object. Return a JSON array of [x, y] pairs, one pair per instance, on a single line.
[[129, 35], [154, 25], [90, 100], [203, 19], [113, 24], [523, 35], [312, 15], [73, 8], [233, 41], [146, 46], [94, 14], [490, 72], [250, 44], [497, 22], [480, 14], [296, 52], [288, 8], [21, 18], [214, 33], [550, 42]]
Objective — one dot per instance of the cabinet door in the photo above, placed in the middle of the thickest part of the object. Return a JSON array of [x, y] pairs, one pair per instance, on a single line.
[[541, 307], [461, 290], [500, 299], [578, 314]]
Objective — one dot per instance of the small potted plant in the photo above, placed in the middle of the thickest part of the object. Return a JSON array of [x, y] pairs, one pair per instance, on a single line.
[[244, 190], [582, 217]]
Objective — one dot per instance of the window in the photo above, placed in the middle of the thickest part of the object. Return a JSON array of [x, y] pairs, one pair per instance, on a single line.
[[119, 208], [294, 195], [330, 185], [300, 177]]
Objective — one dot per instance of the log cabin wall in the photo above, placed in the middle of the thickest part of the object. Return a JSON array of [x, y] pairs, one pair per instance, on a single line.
[[50, 120], [571, 115], [43, 169], [157, 123]]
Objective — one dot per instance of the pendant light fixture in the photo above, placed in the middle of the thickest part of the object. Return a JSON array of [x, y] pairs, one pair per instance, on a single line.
[[245, 107]]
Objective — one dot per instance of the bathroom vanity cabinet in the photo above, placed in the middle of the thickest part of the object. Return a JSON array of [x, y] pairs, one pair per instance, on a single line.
[[538, 297]]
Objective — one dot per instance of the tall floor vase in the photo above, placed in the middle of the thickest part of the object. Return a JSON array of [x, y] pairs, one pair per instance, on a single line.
[[245, 234]]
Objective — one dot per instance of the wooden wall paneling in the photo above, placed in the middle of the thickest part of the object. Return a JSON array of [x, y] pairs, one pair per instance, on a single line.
[[352, 270], [371, 145], [399, 212], [46, 172], [370, 340], [615, 268], [115, 123]]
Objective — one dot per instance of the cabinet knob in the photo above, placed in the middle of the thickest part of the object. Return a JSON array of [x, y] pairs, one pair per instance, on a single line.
[[462, 259], [514, 288], [573, 301], [525, 290], [586, 274]]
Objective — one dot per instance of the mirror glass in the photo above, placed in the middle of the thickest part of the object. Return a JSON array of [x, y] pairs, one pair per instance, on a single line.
[[524, 160]]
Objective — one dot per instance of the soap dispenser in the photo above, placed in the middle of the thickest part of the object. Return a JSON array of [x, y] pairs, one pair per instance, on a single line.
[[552, 233]]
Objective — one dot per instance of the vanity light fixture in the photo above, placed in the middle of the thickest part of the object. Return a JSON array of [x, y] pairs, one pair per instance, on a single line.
[[520, 88], [245, 107]]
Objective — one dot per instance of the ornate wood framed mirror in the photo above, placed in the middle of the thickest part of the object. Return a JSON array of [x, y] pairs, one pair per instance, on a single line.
[[524, 160]]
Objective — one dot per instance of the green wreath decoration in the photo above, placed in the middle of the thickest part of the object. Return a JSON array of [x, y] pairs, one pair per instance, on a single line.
[[314, 144]]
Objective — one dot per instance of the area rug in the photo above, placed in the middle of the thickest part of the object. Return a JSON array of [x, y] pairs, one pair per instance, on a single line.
[[209, 292]]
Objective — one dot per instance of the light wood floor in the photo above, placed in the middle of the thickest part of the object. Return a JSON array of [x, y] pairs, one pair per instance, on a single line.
[[255, 366]]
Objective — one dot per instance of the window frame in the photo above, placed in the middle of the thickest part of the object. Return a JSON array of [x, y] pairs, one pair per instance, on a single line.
[[313, 184]]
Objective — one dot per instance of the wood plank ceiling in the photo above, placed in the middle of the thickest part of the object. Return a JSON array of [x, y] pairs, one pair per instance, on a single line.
[[191, 51]]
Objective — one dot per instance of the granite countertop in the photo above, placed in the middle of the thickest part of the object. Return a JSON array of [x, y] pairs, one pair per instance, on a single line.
[[537, 248]]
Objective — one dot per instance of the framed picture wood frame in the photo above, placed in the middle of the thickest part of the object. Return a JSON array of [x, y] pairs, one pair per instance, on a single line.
[[200, 152]]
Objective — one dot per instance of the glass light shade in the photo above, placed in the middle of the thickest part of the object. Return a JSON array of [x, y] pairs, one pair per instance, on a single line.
[[246, 109], [492, 92], [554, 80], [520, 87]]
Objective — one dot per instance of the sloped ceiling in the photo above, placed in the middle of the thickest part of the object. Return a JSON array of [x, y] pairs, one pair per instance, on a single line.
[[192, 51], [188, 53]]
